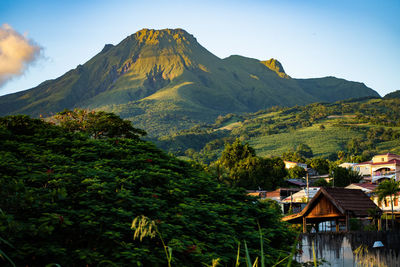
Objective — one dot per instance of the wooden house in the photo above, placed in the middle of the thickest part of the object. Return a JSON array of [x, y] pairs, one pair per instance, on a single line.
[[335, 204]]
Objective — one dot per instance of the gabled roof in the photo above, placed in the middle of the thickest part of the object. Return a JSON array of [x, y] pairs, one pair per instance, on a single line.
[[347, 201], [353, 201]]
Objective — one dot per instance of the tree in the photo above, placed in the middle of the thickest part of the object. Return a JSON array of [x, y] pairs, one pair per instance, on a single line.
[[343, 177], [320, 182], [98, 124], [70, 199], [293, 156], [297, 172], [304, 151], [321, 165], [242, 168], [388, 188], [235, 152]]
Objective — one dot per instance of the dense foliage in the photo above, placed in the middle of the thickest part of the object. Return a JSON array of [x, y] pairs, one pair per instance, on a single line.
[[97, 124], [342, 177], [358, 128], [239, 166], [70, 199]]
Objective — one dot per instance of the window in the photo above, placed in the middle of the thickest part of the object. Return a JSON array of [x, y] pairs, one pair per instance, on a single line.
[[396, 202]]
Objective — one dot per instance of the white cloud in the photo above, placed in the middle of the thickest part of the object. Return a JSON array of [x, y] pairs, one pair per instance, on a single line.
[[17, 52]]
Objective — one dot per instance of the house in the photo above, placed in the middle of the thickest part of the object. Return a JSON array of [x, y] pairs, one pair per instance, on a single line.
[[277, 194], [297, 201], [335, 204], [292, 164], [384, 166], [386, 206], [281, 193], [347, 165], [301, 196]]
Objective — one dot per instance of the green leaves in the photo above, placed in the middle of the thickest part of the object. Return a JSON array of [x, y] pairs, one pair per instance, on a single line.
[[70, 199], [243, 168], [97, 124]]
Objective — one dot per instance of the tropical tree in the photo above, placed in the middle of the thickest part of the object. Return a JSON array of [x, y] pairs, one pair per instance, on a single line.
[[388, 188], [98, 124], [343, 177], [297, 172], [321, 165], [239, 166]]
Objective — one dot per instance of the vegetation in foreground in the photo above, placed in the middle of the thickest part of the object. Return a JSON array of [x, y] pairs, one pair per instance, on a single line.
[[69, 198]]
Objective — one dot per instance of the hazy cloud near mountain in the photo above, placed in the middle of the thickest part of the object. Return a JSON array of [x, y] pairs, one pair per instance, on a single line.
[[17, 52]]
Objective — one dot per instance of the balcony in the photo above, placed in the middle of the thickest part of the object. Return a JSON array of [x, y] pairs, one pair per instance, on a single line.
[[383, 174]]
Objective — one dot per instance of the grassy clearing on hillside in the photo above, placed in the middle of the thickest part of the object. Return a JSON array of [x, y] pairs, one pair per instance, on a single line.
[[322, 142]]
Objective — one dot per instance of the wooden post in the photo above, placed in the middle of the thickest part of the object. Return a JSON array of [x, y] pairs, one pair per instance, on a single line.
[[337, 224], [304, 225], [379, 224], [347, 222]]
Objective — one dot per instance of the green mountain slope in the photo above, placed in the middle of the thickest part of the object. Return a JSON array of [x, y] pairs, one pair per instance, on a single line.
[[164, 81], [359, 127]]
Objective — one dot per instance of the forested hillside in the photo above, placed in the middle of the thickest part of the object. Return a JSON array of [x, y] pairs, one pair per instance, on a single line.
[[359, 127]]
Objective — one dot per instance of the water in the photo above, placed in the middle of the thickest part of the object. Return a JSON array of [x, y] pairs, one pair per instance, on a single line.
[[351, 249]]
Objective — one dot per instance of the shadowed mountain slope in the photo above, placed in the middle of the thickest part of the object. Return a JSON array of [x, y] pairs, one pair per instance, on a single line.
[[164, 80]]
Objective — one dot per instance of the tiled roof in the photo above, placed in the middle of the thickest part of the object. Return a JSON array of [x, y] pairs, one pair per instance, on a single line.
[[393, 161], [350, 200], [366, 185], [387, 154]]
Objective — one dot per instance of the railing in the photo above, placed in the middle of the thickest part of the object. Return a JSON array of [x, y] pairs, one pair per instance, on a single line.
[[378, 176]]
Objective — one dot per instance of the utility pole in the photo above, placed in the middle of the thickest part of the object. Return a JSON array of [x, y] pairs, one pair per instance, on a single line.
[[308, 187]]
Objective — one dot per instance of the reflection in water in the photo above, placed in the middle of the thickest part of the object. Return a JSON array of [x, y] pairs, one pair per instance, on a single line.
[[351, 249]]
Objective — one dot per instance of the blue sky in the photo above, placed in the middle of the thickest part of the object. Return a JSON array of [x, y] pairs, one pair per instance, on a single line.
[[355, 40]]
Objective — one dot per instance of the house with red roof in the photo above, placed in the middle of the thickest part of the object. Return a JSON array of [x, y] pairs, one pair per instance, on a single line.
[[384, 166]]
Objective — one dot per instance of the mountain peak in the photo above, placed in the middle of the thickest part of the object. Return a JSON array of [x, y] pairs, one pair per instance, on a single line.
[[164, 36], [274, 65]]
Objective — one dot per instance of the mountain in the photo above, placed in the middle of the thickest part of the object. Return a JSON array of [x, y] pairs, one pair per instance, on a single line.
[[164, 81], [395, 94]]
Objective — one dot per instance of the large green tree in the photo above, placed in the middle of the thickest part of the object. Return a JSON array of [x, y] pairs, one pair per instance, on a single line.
[[70, 199], [342, 177], [98, 124], [321, 165], [243, 168], [388, 188]]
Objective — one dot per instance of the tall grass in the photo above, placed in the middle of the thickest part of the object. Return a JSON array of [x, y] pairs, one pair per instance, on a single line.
[[144, 227]]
